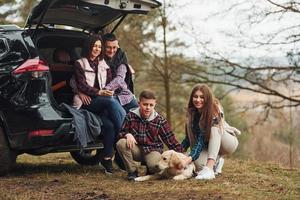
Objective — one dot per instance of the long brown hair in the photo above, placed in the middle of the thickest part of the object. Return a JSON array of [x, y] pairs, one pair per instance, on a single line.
[[209, 109], [89, 44]]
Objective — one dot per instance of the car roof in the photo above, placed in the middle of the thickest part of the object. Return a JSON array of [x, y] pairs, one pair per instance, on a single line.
[[88, 15]]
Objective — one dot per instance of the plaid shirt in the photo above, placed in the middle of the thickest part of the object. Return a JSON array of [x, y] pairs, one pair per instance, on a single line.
[[125, 95], [197, 148], [150, 135], [200, 143]]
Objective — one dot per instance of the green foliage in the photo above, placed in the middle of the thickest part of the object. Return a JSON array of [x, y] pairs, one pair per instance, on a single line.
[[17, 9], [25, 9], [155, 57], [7, 10]]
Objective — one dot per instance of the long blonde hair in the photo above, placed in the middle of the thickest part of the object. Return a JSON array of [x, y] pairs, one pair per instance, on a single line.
[[209, 111]]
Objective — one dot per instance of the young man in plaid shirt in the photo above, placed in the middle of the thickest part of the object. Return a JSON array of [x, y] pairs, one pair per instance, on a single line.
[[143, 135]]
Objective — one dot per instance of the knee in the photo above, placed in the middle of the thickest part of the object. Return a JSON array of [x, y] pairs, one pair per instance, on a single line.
[[152, 160], [234, 146], [229, 143], [112, 101], [115, 106], [121, 145], [153, 167]]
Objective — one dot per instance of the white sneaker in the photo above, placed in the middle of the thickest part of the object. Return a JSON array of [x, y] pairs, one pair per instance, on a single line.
[[219, 165], [205, 174]]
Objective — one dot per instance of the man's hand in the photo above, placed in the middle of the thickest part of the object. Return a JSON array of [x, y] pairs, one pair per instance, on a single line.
[[86, 100], [130, 140], [106, 93]]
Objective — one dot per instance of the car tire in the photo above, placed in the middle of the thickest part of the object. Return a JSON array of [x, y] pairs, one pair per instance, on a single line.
[[86, 157], [7, 156]]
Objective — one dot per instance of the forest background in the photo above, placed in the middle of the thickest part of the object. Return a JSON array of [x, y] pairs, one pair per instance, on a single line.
[[256, 75]]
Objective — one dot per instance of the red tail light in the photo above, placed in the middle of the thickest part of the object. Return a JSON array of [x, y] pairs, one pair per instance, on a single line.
[[32, 65], [46, 132]]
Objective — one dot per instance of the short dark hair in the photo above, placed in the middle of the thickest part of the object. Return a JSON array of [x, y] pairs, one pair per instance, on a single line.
[[147, 94], [109, 37], [89, 44]]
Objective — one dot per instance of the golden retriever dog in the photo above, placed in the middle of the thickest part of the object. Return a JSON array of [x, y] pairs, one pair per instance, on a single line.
[[171, 166]]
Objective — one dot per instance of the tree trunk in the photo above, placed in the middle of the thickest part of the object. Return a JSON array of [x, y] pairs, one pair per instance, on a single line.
[[166, 67]]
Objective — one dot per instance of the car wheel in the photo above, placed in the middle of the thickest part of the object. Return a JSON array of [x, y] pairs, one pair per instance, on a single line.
[[87, 157], [7, 156]]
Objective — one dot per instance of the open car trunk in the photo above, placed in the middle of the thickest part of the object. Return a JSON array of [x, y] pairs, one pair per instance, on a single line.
[[57, 25], [90, 15], [61, 67]]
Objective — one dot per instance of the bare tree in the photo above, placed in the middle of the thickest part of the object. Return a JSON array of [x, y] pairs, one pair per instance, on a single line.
[[155, 55], [277, 29], [258, 75]]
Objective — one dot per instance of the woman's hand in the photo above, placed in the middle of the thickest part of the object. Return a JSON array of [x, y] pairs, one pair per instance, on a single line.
[[106, 93], [130, 140], [86, 100]]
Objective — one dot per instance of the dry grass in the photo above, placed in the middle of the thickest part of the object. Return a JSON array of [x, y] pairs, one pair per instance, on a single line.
[[56, 176]]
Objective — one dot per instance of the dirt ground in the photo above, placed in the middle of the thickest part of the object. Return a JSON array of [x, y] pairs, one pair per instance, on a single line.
[[57, 176]]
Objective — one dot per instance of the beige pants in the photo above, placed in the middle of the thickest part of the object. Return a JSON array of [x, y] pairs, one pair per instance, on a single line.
[[219, 144], [131, 156]]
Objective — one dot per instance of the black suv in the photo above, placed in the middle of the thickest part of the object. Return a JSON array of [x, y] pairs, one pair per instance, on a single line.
[[34, 82]]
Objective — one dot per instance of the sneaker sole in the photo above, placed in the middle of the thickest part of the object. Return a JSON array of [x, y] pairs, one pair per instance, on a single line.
[[108, 173], [219, 166], [105, 171], [202, 178]]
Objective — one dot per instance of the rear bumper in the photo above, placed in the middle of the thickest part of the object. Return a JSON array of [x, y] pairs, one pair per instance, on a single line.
[[62, 140]]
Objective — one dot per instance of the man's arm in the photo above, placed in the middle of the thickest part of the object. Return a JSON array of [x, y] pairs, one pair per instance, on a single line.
[[119, 80], [168, 137], [126, 133], [125, 127]]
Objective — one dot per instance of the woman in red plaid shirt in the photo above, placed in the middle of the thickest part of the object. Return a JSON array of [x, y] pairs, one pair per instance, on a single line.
[[143, 135]]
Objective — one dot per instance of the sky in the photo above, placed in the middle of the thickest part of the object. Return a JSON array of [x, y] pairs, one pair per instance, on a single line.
[[196, 14], [223, 29]]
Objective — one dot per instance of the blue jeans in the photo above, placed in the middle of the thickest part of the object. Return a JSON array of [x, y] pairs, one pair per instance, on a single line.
[[108, 135], [109, 106], [132, 104]]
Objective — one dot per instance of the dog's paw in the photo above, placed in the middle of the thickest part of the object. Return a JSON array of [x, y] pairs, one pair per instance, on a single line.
[[145, 178], [141, 178], [138, 179], [179, 177]]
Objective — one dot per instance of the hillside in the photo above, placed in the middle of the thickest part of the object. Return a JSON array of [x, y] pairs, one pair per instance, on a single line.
[[56, 176]]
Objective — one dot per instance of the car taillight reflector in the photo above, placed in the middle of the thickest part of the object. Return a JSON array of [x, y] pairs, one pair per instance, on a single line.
[[32, 65], [46, 132]]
